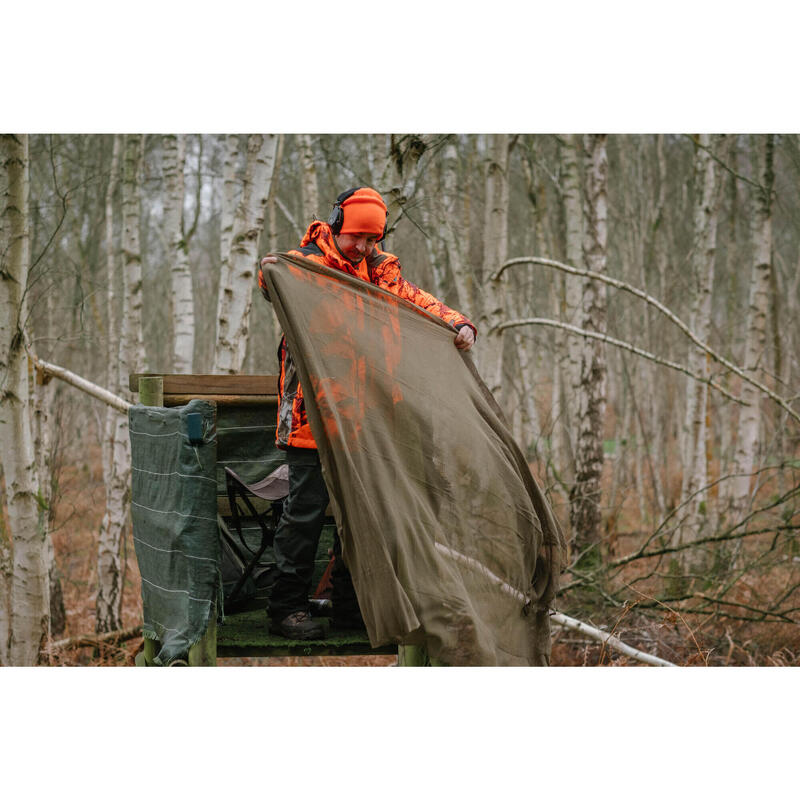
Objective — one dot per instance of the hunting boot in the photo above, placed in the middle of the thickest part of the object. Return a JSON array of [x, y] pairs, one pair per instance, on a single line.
[[299, 625]]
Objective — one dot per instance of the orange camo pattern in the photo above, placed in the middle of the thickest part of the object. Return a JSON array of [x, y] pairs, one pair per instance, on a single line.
[[381, 269]]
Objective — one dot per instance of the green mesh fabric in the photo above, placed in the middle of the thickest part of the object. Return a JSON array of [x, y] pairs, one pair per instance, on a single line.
[[449, 540], [174, 510], [246, 442]]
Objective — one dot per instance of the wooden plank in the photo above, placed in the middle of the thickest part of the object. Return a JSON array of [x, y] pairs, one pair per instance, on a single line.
[[212, 384], [222, 399]]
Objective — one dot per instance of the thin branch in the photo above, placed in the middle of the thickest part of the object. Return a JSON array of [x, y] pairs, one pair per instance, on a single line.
[[563, 621], [617, 343], [618, 284], [81, 383], [114, 637], [286, 213]]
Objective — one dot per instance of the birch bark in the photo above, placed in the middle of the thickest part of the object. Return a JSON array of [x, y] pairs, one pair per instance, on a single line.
[[695, 468], [29, 596], [239, 260], [495, 252], [130, 358], [181, 297], [746, 451], [308, 184], [573, 291], [585, 496]]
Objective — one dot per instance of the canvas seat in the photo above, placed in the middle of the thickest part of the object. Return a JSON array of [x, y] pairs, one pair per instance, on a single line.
[[274, 488]]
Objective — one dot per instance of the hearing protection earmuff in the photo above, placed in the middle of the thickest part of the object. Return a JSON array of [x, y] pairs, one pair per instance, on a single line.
[[336, 218]]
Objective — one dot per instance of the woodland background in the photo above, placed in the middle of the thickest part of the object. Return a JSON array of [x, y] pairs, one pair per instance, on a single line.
[[673, 467]]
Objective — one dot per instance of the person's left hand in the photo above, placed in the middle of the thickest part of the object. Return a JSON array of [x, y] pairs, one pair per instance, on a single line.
[[465, 338]]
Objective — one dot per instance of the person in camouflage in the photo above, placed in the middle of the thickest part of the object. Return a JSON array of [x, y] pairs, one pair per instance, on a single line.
[[349, 241]]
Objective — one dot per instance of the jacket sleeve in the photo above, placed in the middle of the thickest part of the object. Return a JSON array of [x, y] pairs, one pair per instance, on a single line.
[[385, 272], [262, 284]]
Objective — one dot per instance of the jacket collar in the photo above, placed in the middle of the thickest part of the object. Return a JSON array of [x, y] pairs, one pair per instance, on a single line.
[[320, 233]]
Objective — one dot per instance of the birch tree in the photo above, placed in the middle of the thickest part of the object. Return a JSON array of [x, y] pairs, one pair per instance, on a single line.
[[29, 596], [130, 358], [308, 184], [704, 245], [585, 496], [747, 443], [181, 297], [573, 288], [239, 254], [495, 252]]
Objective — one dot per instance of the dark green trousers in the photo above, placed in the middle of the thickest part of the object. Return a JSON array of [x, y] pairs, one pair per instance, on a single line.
[[297, 536]]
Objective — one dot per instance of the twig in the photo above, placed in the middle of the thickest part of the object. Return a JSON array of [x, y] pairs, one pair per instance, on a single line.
[[514, 323], [112, 637]]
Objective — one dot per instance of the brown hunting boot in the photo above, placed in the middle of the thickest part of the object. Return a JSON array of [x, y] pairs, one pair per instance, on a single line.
[[299, 625]]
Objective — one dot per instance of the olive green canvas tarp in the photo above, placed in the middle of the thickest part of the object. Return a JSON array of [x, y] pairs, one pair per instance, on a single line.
[[174, 510], [450, 542]]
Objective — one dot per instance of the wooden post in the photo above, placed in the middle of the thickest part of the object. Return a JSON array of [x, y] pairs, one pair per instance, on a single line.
[[151, 393], [412, 655], [204, 653]]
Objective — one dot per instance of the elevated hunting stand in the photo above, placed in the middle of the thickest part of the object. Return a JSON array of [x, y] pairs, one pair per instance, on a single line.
[[231, 433]]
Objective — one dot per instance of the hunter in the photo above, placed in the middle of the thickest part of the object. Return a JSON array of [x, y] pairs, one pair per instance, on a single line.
[[349, 241]]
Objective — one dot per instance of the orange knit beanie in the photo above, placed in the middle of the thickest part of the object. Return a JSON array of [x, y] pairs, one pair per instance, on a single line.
[[364, 212]]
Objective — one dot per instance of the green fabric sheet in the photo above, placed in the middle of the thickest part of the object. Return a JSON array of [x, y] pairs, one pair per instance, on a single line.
[[449, 540], [174, 510]]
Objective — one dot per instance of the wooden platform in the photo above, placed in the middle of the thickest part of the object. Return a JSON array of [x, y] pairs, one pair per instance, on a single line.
[[246, 634]]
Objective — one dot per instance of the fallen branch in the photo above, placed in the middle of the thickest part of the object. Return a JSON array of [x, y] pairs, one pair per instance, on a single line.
[[81, 383], [563, 621], [558, 619], [514, 323], [112, 637], [626, 287]]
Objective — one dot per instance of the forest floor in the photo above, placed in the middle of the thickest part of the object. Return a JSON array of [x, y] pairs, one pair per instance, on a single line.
[[663, 631]]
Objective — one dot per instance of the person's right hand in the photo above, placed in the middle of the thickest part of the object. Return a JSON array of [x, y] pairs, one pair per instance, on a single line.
[[269, 260]]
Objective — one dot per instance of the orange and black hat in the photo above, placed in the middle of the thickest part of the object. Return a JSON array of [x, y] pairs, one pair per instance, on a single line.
[[359, 210]]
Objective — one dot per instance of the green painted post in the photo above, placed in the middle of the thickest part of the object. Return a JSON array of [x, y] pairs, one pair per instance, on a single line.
[[412, 655], [204, 653], [151, 393]]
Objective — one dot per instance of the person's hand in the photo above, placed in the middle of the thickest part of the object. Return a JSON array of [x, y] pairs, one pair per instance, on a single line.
[[465, 338], [269, 260]]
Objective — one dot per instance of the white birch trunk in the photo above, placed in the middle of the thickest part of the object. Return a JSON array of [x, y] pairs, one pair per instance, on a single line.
[[695, 466], [585, 497], [181, 297], [29, 595], [308, 184], [238, 269], [746, 451], [130, 359], [495, 252], [112, 334], [573, 294]]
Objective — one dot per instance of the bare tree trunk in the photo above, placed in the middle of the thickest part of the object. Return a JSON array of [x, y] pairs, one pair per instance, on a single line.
[[181, 297], [130, 359], [495, 252], [239, 263], [695, 466], [30, 602], [308, 184], [746, 450], [585, 497], [573, 292]]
